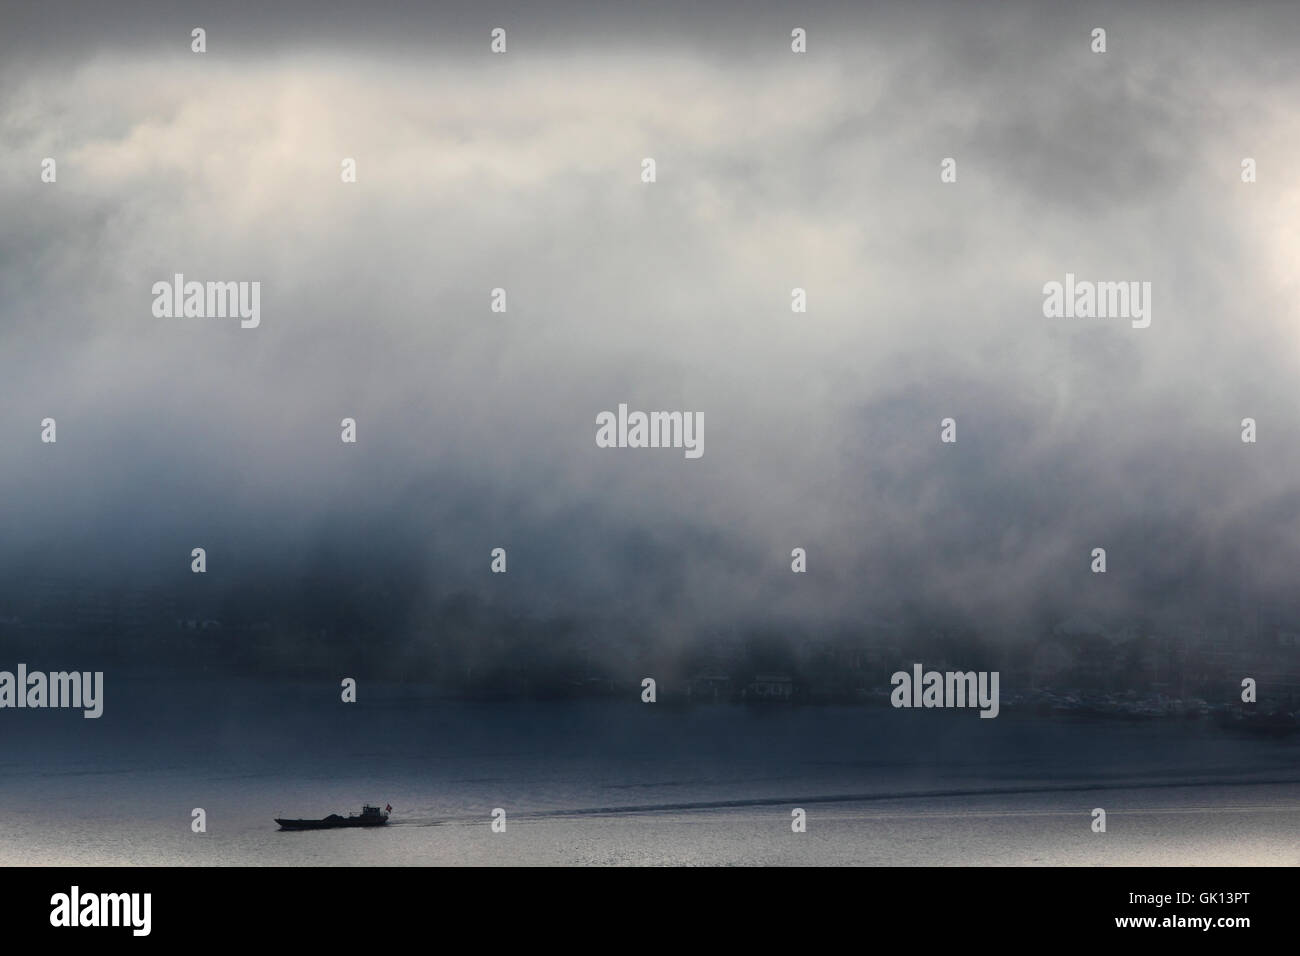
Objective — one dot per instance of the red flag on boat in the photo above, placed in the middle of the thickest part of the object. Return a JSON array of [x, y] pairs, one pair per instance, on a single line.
[[388, 808]]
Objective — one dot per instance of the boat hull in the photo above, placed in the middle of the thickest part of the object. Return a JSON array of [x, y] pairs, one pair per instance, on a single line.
[[331, 823]]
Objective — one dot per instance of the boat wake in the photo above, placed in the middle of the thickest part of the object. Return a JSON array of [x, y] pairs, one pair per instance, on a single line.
[[687, 806]]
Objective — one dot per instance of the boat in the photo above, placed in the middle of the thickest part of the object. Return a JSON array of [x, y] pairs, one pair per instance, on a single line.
[[368, 817]]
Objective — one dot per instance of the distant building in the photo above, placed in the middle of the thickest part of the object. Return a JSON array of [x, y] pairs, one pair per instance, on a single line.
[[714, 687], [770, 687]]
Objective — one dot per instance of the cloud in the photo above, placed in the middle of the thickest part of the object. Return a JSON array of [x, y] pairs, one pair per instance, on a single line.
[[822, 430]]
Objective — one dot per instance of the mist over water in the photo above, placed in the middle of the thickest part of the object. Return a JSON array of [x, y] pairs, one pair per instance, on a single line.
[[477, 429]]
